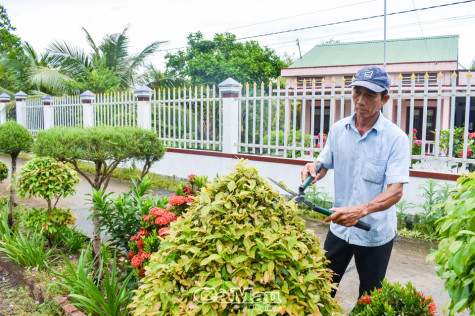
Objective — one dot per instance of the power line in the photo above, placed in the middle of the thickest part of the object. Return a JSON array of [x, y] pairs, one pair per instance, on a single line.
[[298, 15], [338, 22], [356, 20]]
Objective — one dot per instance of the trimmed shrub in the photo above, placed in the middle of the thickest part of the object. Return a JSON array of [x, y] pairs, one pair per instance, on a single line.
[[240, 249]]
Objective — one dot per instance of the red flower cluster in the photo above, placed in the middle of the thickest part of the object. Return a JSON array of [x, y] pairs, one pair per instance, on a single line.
[[180, 199], [138, 259], [159, 216], [365, 299], [141, 233], [163, 231], [469, 152], [432, 308], [191, 177]]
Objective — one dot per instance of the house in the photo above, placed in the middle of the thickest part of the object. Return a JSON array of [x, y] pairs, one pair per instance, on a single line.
[[435, 56]]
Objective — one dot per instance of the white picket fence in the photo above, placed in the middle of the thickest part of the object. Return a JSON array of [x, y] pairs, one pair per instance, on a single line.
[[272, 120]]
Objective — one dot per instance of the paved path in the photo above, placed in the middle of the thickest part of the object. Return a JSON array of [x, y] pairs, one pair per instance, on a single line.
[[408, 260], [78, 203]]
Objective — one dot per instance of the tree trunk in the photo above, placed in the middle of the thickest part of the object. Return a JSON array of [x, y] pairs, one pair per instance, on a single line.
[[96, 223], [11, 204], [96, 242]]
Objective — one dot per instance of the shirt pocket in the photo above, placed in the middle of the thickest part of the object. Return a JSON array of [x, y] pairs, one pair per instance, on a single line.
[[373, 170]]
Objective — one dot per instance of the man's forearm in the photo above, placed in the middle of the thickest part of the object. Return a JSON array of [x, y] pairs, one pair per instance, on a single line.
[[385, 200]]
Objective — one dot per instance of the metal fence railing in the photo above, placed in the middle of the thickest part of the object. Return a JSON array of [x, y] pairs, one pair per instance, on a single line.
[[187, 118]]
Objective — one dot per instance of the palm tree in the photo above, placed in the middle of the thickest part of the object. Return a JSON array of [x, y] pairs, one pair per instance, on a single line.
[[156, 79], [32, 73], [112, 54]]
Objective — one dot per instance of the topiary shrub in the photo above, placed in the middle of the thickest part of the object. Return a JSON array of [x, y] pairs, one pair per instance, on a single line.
[[50, 179], [240, 249], [14, 139]]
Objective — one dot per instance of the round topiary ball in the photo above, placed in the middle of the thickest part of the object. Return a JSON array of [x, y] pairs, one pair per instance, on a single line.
[[240, 249]]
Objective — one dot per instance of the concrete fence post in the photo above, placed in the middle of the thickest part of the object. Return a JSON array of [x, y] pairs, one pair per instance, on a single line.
[[4, 99], [48, 111], [144, 107], [20, 100], [87, 97], [229, 92]]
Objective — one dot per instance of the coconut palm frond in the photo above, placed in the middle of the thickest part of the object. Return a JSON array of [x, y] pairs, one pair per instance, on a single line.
[[48, 78], [150, 49], [92, 44], [115, 49], [68, 57], [10, 64], [7, 91]]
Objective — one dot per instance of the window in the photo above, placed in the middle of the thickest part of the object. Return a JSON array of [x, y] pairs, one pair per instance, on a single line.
[[418, 118], [406, 79], [326, 120]]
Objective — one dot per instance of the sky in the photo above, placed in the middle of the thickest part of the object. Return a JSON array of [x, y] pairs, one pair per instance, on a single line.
[[43, 22]]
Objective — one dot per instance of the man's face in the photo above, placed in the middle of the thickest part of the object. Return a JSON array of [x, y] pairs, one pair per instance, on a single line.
[[367, 102]]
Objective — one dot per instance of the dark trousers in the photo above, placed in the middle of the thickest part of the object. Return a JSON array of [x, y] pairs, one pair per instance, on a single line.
[[371, 262]]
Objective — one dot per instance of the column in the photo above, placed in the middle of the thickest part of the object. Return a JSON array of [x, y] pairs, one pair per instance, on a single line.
[[4, 99], [48, 112], [229, 92], [87, 98], [20, 108], [144, 107]]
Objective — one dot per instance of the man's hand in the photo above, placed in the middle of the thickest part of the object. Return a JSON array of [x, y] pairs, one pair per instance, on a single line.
[[310, 169], [347, 216]]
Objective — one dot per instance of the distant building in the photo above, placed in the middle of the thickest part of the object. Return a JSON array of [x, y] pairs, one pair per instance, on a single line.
[[437, 55]]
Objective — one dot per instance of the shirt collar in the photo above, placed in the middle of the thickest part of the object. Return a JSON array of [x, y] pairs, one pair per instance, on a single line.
[[378, 125]]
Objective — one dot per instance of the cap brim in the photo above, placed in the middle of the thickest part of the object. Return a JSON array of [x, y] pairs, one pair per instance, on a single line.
[[368, 85]]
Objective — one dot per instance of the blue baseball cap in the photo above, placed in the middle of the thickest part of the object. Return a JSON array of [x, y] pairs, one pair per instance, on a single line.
[[372, 77]]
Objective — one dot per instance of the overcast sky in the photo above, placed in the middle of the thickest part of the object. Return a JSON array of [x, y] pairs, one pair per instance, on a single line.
[[41, 22]]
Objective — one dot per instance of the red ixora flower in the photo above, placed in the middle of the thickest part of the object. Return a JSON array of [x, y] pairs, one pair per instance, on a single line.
[[136, 261], [365, 299], [191, 176], [131, 254], [179, 200], [469, 152], [163, 231], [146, 218]]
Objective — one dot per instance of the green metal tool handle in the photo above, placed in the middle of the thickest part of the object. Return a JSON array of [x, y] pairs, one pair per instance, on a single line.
[[322, 210], [309, 179]]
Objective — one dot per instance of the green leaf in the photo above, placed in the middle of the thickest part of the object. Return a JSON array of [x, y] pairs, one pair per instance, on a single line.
[[213, 257]]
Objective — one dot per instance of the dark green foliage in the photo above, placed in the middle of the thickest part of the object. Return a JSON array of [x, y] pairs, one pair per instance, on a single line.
[[121, 216], [72, 239], [103, 292], [208, 62], [14, 139], [455, 256], [27, 250]]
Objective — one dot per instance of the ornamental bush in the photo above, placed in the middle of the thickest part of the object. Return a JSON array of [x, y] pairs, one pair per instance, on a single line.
[[3, 171], [155, 223], [47, 178], [240, 249], [14, 139], [394, 299], [50, 179], [455, 256]]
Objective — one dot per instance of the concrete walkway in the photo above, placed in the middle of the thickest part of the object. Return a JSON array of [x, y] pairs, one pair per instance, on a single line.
[[408, 260]]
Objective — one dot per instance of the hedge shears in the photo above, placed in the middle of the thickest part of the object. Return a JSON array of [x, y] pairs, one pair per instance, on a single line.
[[300, 198]]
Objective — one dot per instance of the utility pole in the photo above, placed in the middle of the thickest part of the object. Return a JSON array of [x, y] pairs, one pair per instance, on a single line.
[[298, 44]]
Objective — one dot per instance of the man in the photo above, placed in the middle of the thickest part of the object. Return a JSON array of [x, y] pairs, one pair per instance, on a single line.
[[370, 158]]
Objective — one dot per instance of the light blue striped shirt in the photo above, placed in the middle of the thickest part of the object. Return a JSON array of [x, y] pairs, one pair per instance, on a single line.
[[363, 167]]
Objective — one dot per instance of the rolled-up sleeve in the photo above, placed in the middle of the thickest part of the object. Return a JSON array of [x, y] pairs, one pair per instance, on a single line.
[[397, 170]]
